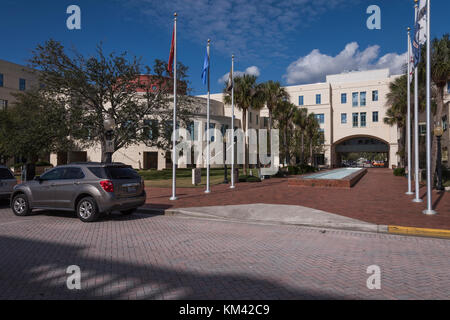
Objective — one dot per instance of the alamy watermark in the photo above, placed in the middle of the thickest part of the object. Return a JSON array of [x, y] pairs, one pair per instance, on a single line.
[[74, 280], [374, 21], [73, 22], [194, 151], [374, 281]]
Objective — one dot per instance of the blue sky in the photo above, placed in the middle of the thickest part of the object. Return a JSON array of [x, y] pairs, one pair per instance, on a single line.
[[292, 41]]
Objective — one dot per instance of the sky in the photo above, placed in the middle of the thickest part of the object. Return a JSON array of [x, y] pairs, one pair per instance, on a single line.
[[291, 41]]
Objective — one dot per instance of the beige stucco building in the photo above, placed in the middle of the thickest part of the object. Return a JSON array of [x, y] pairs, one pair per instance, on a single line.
[[14, 78]]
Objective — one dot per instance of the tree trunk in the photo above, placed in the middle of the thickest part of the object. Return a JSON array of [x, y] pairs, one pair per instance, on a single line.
[[302, 158], [438, 117], [286, 148]]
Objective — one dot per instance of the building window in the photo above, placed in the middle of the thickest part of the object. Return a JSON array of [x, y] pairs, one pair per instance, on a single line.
[[444, 123], [448, 87], [375, 95], [375, 116], [318, 99], [1, 79], [362, 98], [355, 99], [22, 86], [257, 120], [343, 98], [320, 118], [321, 136], [266, 122], [363, 119], [355, 120], [3, 104], [300, 101], [250, 117], [422, 129], [343, 118]]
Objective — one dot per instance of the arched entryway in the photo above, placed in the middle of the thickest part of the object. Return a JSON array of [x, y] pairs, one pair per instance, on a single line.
[[361, 151]]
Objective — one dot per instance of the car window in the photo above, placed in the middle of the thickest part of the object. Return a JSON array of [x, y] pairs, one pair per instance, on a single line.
[[122, 173], [55, 174], [73, 173], [5, 174], [99, 172]]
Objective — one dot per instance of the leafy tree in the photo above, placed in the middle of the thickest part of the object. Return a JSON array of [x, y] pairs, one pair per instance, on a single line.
[[110, 86], [313, 135], [247, 94], [34, 127]]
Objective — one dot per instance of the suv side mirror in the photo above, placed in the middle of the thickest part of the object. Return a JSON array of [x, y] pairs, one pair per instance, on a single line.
[[38, 178]]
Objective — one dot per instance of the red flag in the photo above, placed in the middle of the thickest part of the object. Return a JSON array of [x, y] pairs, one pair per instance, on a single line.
[[172, 50]]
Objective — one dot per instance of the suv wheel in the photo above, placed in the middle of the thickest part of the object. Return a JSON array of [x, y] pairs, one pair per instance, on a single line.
[[20, 205], [128, 212], [87, 210]]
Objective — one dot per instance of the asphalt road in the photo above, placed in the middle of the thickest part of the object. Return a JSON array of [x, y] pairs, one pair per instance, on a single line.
[[164, 257]]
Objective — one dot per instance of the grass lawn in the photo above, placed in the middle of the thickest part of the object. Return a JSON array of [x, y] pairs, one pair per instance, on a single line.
[[163, 178]]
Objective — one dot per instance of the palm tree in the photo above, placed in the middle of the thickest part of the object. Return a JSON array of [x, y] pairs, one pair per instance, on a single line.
[[300, 118], [312, 134], [396, 114], [273, 93], [440, 73], [247, 94], [284, 114]]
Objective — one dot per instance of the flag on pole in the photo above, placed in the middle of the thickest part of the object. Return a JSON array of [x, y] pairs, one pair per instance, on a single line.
[[230, 81], [205, 68], [411, 61], [420, 30], [172, 51]]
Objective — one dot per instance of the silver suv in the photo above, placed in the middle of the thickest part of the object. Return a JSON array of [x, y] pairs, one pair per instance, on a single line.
[[90, 189], [7, 182]]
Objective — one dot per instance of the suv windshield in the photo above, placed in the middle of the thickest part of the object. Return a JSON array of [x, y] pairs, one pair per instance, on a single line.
[[5, 174], [122, 173]]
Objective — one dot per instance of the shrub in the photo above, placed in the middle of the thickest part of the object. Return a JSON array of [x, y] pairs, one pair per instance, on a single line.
[[292, 170], [399, 172], [43, 164], [249, 179], [304, 168]]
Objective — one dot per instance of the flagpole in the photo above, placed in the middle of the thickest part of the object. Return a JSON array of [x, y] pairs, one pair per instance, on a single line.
[[232, 121], [408, 129], [416, 129], [174, 167], [208, 155], [429, 210]]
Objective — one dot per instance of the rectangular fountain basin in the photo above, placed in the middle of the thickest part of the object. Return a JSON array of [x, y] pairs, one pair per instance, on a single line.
[[338, 178]]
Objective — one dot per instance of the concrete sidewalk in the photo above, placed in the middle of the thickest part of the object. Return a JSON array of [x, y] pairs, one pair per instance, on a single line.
[[278, 214]]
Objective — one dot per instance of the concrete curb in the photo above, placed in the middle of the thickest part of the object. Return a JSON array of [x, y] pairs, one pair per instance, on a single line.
[[342, 226], [389, 229], [423, 232]]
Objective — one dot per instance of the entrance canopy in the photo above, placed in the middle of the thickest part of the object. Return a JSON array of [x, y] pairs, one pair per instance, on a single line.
[[362, 144]]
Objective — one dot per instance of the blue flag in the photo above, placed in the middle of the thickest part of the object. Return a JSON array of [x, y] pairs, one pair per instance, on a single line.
[[205, 68]]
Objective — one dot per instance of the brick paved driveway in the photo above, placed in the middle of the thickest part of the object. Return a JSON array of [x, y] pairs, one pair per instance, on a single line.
[[378, 198], [159, 257]]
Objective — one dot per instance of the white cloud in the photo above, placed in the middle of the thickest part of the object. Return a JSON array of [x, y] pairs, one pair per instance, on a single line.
[[253, 71], [315, 66]]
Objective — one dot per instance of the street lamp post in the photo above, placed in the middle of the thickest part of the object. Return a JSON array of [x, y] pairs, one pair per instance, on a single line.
[[225, 175], [109, 125], [438, 131]]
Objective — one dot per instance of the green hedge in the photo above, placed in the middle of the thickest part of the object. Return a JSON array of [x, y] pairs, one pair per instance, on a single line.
[[249, 179], [399, 172], [300, 169]]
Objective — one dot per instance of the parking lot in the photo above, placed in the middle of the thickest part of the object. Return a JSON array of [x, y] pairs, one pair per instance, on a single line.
[[160, 257]]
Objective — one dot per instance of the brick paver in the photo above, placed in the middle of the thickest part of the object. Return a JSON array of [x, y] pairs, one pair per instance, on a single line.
[[378, 198], [161, 257]]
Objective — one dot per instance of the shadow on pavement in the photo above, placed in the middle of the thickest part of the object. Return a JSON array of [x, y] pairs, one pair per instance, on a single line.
[[33, 269]]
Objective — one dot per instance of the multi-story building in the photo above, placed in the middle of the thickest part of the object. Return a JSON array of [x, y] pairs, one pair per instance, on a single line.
[[14, 78], [350, 108]]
